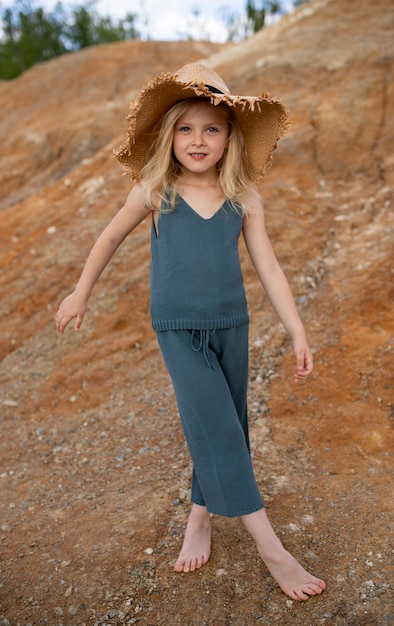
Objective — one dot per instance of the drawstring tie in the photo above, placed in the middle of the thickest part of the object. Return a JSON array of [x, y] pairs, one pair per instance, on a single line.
[[203, 344]]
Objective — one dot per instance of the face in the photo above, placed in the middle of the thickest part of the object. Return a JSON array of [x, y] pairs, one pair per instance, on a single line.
[[200, 138]]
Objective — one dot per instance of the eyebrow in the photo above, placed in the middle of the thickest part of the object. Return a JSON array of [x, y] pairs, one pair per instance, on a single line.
[[187, 123]]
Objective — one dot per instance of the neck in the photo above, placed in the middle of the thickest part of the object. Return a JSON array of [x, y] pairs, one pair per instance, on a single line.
[[208, 181]]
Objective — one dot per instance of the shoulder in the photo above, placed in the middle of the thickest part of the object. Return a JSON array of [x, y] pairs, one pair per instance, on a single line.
[[137, 194], [135, 203], [252, 203], [145, 197], [152, 197]]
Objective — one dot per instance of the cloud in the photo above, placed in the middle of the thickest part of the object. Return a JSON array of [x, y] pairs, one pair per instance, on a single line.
[[175, 20]]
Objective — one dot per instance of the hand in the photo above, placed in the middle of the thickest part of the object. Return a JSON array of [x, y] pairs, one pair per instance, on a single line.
[[72, 306], [304, 360]]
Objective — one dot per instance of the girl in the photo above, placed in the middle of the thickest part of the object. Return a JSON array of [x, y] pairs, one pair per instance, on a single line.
[[194, 150]]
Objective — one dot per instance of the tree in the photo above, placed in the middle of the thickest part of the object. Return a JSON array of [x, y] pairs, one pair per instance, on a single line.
[[196, 27], [87, 28], [240, 27], [256, 16], [31, 35]]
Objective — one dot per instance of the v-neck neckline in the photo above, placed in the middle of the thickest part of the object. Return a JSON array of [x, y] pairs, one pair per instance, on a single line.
[[205, 219]]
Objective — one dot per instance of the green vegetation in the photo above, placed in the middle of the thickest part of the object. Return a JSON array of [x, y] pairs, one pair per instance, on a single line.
[[29, 34]]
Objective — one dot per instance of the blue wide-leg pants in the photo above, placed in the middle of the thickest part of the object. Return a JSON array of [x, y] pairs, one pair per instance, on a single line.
[[209, 373]]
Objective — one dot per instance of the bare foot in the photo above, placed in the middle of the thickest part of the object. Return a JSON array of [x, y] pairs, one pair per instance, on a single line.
[[291, 577], [196, 548]]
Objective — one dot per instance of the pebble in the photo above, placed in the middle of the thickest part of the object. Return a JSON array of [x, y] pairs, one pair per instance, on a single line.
[[272, 607], [10, 403]]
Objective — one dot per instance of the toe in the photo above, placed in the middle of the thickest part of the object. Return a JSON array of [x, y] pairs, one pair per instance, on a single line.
[[199, 562], [301, 595], [192, 565], [179, 567], [313, 588], [308, 590]]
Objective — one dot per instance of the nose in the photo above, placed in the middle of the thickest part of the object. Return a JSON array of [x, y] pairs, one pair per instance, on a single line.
[[198, 139]]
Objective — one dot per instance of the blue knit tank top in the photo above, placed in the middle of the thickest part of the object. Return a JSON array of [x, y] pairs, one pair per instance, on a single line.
[[196, 278]]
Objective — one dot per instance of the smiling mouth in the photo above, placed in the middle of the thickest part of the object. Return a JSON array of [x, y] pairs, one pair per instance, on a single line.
[[197, 154]]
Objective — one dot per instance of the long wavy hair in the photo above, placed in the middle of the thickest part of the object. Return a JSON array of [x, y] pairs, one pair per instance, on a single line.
[[162, 169]]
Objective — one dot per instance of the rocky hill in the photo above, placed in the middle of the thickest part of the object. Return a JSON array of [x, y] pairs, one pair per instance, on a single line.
[[94, 471]]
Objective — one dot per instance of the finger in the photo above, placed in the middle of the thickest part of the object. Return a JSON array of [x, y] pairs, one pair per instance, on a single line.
[[304, 362], [302, 367], [57, 322], [61, 325], [300, 362], [61, 322], [300, 374], [309, 357], [308, 365], [78, 322]]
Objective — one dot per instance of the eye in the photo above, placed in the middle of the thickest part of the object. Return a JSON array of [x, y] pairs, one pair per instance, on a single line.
[[184, 129], [212, 130]]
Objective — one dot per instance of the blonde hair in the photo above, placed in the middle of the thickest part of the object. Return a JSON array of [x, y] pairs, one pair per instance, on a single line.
[[161, 171]]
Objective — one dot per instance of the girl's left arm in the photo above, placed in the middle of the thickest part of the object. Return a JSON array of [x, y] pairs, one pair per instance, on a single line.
[[275, 283]]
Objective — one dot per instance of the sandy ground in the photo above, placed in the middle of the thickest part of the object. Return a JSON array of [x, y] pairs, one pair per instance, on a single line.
[[95, 473]]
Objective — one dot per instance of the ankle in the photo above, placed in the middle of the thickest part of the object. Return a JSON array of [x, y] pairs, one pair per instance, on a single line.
[[200, 513], [271, 550]]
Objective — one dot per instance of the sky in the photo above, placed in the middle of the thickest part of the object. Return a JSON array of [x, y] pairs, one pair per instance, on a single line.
[[170, 19], [166, 19]]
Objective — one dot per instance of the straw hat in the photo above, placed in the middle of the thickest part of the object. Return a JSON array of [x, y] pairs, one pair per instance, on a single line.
[[263, 120]]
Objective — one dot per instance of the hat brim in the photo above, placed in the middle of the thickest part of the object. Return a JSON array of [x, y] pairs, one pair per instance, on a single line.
[[262, 120]]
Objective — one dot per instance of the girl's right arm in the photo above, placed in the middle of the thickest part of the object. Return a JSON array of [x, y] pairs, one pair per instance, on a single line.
[[129, 216]]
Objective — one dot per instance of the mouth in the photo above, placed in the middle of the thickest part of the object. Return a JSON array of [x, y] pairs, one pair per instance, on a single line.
[[197, 155]]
